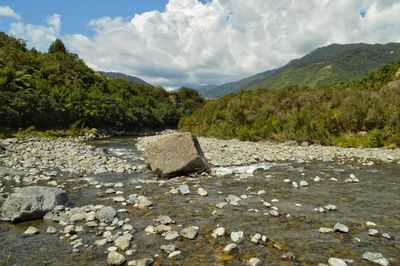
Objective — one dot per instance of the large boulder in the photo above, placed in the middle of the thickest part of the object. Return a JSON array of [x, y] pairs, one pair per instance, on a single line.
[[2, 148], [30, 203], [175, 154]]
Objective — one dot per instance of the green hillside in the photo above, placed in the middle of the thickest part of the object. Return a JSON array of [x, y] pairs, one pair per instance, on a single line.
[[56, 90], [117, 75], [336, 63], [358, 113]]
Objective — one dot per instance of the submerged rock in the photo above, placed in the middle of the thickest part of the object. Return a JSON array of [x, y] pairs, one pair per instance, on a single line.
[[141, 262], [175, 154], [30, 203], [31, 231], [336, 262], [376, 258]]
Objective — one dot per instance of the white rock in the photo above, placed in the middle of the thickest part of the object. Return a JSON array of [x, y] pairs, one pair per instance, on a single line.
[[31, 231], [202, 192], [303, 183], [237, 237], [230, 247], [373, 232], [341, 228], [325, 230], [172, 235], [220, 231], [376, 258], [115, 258], [336, 262], [174, 254]]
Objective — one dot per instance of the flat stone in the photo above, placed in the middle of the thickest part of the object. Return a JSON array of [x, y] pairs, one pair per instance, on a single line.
[[373, 232], [325, 230]]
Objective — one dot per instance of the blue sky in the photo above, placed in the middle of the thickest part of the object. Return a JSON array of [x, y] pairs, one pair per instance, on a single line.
[[77, 13], [191, 42]]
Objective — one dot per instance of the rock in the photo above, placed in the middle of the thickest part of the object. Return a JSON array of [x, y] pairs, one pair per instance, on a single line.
[[202, 192], [237, 237], [175, 154], [373, 232], [256, 238], [189, 232], [141, 262], [387, 236], [51, 230], [340, 228], [168, 248], [106, 214], [184, 189], [376, 258], [220, 231], [164, 219], [336, 262], [118, 199], [172, 235], [2, 148], [31, 231], [325, 230], [174, 254], [115, 258], [144, 202], [228, 248], [303, 183], [77, 217], [30, 203], [254, 262], [122, 242]]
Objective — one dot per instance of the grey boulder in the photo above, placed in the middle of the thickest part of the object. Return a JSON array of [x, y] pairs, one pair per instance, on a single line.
[[2, 148], [30, 203], [175, 154]]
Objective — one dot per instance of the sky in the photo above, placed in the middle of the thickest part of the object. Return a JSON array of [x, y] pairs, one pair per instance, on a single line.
[[172, 43]]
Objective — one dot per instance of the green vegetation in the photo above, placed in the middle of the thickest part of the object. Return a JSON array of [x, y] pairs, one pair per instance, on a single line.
[[57, 91], [360, 113], [335, 63]]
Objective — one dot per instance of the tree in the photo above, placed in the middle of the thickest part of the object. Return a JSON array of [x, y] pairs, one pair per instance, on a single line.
[[57, 47]]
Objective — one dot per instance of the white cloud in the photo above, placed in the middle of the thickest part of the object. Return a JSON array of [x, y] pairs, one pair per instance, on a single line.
[[6, 11], [223, 40], [39, 36]]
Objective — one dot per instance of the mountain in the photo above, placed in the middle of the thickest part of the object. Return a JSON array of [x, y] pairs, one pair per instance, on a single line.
[[203, 90], [363, 112], [117, 75], [335, 63], [238, 85]]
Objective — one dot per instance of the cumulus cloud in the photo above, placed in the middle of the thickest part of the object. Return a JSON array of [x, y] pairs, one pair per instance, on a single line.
[[39, 36], [193, 43], [6, 11]]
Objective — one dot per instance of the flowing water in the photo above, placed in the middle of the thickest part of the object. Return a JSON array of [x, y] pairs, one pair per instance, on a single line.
[[293, 237]]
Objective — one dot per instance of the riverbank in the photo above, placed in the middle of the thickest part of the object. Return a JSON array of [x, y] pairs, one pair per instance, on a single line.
[[234, 152]]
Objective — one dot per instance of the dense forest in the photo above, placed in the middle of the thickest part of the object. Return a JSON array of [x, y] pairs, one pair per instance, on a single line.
[[56, 90], [359, 113]]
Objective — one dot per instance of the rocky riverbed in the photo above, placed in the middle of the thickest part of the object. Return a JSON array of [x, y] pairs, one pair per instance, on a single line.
[[292, 206]]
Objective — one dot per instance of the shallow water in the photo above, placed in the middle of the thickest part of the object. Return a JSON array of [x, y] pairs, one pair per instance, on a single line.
[[293, 237]]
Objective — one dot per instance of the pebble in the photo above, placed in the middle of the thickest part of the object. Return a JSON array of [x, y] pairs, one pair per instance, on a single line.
[[341, 228], [254, 262], [303, 183], [228, 248], [370, 223], [387, 236], [51, 230], [373, 232], [168, 248], [202, 192], [220, 231], [184, 189], [317, 179], [376, 258], [31, 231], [274, 213], [172, 235], [115, 258], [256, 238], [237, 237], [325, 230], [189, 232], [336, 262], [164, 219], [141, 262], [174, 254]]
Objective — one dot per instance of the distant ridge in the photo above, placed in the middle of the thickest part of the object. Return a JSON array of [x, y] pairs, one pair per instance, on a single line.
[[335, 63], [117, 75]]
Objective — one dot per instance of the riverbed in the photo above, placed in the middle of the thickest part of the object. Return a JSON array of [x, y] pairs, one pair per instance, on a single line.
[[280, 209]]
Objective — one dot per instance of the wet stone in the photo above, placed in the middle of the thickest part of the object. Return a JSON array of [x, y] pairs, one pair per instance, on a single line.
[[184, 189], [172, 235], [141, 262], [336, 262], [375, 257], [220, 231], [169, 248], [115, 258], [237, 237], [189, 232], [228, 248], [341, 228], [31, 231]]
